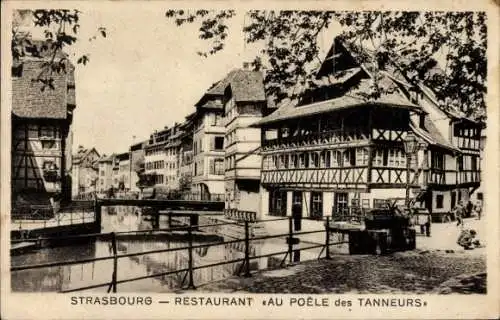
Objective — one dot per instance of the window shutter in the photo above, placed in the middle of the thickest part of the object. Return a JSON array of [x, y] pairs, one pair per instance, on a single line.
[[212, 166]]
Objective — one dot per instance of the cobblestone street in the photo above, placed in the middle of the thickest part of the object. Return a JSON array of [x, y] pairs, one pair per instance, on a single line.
[[408, 272]]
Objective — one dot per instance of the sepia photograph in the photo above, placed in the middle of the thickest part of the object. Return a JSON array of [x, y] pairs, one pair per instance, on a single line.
[[213, 154]]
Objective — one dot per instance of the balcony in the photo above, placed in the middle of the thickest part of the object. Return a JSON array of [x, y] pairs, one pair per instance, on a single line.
[[345, 136]]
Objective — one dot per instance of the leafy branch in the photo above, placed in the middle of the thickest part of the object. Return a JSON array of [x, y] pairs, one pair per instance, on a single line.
[[412, 39]]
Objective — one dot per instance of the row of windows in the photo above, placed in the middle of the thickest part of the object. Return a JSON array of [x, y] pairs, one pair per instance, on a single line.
[[317, 159], [155, 151], [155, 165], [467, 163], [216, 144], [334, 159]]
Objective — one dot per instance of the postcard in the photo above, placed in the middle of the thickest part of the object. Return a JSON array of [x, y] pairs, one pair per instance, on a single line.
[[249, 159]]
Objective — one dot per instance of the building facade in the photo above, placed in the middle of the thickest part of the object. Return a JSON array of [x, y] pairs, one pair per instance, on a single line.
[[154, 156], [186, 155], [173, 157], [122, 161], [136, 164], [85, 171], [332, 149], [244, 104], [105, 165], [208, 145], [41, 133]]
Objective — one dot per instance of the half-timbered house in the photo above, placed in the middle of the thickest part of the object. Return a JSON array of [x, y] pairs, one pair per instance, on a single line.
[[41, 132], [339, 145]]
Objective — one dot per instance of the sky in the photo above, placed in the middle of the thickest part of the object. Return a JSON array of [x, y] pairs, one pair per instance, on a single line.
[[145, 74]]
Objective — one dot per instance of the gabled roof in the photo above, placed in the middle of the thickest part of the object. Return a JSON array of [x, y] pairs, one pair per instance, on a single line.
[[109, 158], [82, 153]]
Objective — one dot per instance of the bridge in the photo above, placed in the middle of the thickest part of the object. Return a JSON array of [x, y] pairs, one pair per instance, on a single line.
[[87, 216]]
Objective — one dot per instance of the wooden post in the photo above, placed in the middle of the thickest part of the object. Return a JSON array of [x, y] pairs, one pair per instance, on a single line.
[[327, 241], [115, 262], [190, 253], [247, 250], [98, 216]]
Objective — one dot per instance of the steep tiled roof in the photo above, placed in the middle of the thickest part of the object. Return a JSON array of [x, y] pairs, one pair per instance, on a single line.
[[344, 102], [82, 153], [245, 85], [29, 100], [431, 134]]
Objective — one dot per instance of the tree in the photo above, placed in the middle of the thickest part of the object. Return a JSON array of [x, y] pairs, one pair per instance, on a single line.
[[60, 29], [410, 40]]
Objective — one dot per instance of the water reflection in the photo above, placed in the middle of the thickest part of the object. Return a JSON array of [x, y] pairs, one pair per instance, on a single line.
[[64, 278]]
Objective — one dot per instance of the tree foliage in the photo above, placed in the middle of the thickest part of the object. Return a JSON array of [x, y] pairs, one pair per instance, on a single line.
[[413, 41], [60, 29]]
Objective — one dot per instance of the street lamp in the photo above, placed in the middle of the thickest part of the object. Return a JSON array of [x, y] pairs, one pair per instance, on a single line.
[[410, 145]]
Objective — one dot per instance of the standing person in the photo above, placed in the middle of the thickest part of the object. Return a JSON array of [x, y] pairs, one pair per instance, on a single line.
[[478, 210], [469, 209], [428, 225]]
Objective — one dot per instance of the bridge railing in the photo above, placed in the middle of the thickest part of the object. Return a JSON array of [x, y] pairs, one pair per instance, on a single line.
[[188, 279], [75, 212]]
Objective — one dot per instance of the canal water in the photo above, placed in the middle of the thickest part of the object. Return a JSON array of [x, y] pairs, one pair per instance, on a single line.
[[63, 278]]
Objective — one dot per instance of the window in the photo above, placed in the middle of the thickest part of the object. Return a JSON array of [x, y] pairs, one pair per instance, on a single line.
[[284, 161], [277, 203], [439, 201], [217, 166], [216, 120], [437, 161], [361, 156], [316, 204], [349, 157], [295, 161], [474, 163], [46, 132], [314, 160], [379, 203], [304, 160], [325, 159], [378, 158], [480, 196], [460, 163], [48, 144], [396, 158], [219, 143], [337, 159]]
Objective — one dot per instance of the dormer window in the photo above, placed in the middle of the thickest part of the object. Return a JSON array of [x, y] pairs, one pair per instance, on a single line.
[[422, 121], [17, 71]]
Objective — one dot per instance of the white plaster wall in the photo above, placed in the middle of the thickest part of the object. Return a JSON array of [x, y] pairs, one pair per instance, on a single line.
[[264, 203]]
